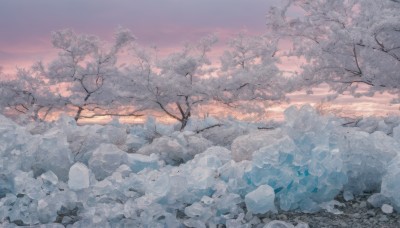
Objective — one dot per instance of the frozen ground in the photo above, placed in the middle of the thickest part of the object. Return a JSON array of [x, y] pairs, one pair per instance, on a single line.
[[310, 169]]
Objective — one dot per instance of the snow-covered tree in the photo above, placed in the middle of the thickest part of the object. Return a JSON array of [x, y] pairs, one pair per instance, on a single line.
[[87, 67], [29, 94], [346, 43], [249, 76], [176, 84]]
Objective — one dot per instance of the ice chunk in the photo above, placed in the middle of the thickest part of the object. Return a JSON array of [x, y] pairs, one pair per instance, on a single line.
[[78, 176], [138, 162], [223, 154], [396, 133], [198, 211], [261, 200], [53, 154], [368, 124], [214, 157], [391, 184], [6, 185], [244, 146], [134, 143], [50, 177], [365, 157], [331, 207], [278, 224], [50, 181], [105, 160], [225, 134], [157, 185], [114, 135], [193, 143], [377, 200], [194, 223], [348, 195], [168, 150], [25, 184], [201, 178], [24, 210]]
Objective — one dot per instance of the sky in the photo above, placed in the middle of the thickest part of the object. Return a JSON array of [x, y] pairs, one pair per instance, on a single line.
[[26, 25]]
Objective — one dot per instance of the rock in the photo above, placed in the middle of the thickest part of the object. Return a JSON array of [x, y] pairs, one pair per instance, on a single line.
[[363, 204], [383, 218], [387, 209], [278, 224], [371, 213], [302, 225]]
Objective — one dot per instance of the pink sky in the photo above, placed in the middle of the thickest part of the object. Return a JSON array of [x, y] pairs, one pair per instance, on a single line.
[[27, 26]]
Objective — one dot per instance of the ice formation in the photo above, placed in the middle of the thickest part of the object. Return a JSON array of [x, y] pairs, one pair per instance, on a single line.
[[78, 177], [153, 176], [261, 200]]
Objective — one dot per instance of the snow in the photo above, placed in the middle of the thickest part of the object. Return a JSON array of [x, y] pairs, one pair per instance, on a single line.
[[119, 175]]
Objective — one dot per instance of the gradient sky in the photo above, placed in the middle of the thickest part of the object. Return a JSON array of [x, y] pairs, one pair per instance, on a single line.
[[26, 25]]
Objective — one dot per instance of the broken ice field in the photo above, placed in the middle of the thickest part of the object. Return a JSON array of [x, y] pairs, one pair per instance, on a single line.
[[151, 175]]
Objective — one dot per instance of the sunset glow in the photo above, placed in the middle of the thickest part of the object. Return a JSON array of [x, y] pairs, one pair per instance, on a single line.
[[164, 24]]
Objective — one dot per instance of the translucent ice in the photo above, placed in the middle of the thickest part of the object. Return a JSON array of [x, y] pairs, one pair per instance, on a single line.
[[105, 160], [134, 143], [150, 176], [377, 200], [261, 200], [278, 224], [167, 148], [138, 162], [391, 184], [347, 195], [244, 146], [78, 176], [5, 185]]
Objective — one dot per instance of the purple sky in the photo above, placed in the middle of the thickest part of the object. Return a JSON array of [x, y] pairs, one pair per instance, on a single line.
[[26, 25]]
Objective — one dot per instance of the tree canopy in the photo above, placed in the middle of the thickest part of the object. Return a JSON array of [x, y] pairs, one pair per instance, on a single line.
[[86, 80], [345, 43]]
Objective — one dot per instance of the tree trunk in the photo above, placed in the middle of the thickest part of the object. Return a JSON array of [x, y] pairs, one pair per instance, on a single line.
[[184, 120], [80, 109], [78, 114]]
